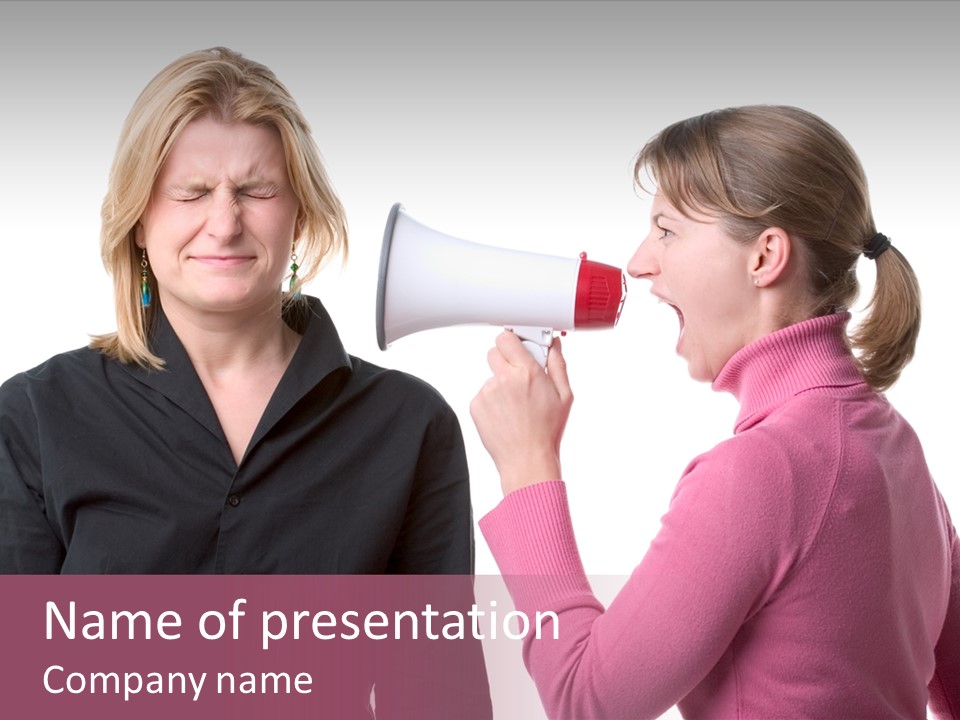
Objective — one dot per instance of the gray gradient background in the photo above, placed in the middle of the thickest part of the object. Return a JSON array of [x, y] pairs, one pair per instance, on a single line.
[[511, 124]]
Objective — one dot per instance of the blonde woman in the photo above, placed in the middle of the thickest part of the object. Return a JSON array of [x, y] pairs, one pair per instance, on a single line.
[[223, 428], [807, 566]]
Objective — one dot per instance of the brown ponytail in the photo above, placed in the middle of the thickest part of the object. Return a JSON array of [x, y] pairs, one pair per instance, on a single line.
[[884, 341]]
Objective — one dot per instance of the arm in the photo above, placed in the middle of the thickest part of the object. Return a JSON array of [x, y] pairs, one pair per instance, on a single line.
[[708, 569], [945, 686], [28, 543], [667, 627], [437, 532], [449, 677]]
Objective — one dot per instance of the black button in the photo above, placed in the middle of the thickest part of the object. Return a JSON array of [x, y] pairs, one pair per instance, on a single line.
[[233, 500]]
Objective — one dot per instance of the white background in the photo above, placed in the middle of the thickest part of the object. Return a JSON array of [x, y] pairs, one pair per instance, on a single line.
[[511, 124]]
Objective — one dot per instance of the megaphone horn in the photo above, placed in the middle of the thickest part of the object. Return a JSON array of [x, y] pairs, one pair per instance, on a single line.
[[431, 280]]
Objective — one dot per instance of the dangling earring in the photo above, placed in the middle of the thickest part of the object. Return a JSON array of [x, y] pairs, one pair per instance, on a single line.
[[145, 295], [293, 278]]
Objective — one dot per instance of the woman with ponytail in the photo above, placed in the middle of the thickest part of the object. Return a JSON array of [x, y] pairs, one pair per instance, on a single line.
[[807, 566]]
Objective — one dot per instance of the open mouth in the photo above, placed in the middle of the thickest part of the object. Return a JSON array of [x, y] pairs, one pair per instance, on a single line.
[[679, 317]]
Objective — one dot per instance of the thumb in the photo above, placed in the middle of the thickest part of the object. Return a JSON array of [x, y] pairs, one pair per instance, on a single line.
[[557, 369]]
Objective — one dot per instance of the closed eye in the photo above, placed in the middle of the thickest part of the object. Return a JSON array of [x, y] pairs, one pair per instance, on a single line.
[[187, 194], [191, 197], [258, 190]]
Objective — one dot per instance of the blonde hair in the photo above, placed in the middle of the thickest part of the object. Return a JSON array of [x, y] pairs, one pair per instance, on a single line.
[[764, 166], [222, 84]]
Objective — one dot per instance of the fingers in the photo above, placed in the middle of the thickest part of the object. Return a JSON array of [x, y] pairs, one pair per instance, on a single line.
[[521, 412], [557, 370], [510, 345], [512, 363], [509, 353], [497, 362]]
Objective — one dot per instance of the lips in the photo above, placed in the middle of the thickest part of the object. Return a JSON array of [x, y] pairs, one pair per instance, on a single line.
[[223, 261]]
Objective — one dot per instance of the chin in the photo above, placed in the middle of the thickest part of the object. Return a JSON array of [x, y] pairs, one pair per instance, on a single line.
[[229, 294], [701, 376], [700, 372]]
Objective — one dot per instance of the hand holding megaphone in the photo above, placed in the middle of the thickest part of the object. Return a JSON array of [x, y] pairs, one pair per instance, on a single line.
[[430, 280]]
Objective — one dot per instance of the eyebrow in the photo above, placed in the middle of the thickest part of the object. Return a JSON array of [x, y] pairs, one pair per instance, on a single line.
[[190, 186], [196, 184], [656, 218]]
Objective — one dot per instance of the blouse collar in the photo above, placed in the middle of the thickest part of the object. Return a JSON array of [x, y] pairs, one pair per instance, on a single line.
[[766, 373]]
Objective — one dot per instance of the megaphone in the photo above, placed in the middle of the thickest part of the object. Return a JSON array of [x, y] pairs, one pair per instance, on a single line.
[[431, 280]]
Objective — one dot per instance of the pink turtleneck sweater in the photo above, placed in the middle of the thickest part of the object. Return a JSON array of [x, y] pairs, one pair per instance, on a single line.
[[806, 567]]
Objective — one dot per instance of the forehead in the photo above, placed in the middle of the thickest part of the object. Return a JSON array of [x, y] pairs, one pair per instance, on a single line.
[[662, 207], [208, 145]]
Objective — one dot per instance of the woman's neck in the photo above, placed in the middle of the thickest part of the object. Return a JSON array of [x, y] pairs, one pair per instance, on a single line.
[[240, 358], [219, 343]]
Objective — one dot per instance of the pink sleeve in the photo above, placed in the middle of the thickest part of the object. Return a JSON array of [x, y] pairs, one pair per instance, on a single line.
[[670, 623], [945, 686]]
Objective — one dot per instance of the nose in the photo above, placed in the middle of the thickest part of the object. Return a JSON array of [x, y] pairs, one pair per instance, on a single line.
[[223, 219], [644, 263]]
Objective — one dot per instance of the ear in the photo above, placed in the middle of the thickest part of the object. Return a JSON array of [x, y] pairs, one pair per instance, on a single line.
[[298, 228], [138, 235], [770, 256]]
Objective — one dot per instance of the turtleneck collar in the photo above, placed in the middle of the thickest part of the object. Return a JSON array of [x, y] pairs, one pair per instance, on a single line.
[[811, 354]]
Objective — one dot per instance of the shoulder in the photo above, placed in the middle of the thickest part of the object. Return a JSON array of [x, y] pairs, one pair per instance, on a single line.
[[43, 393], [63, 369], [398, 406], [781, 472], [756, 500], [398, 389], [804, 434], [393, 387]]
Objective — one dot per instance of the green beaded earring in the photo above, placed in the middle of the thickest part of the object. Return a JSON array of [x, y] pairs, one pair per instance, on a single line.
[[293, 278], [145, 295]]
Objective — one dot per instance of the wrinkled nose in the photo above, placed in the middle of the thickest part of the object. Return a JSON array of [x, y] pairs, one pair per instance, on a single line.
[[223, 221]]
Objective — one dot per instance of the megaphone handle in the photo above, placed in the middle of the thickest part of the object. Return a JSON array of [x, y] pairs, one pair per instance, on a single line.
[[537, 341], [539, 352]]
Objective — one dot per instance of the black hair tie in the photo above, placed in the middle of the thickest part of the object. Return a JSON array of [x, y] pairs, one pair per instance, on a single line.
[[877, 246]]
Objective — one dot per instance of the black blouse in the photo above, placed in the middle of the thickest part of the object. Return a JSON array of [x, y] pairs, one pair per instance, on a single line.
[[113, 468]]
